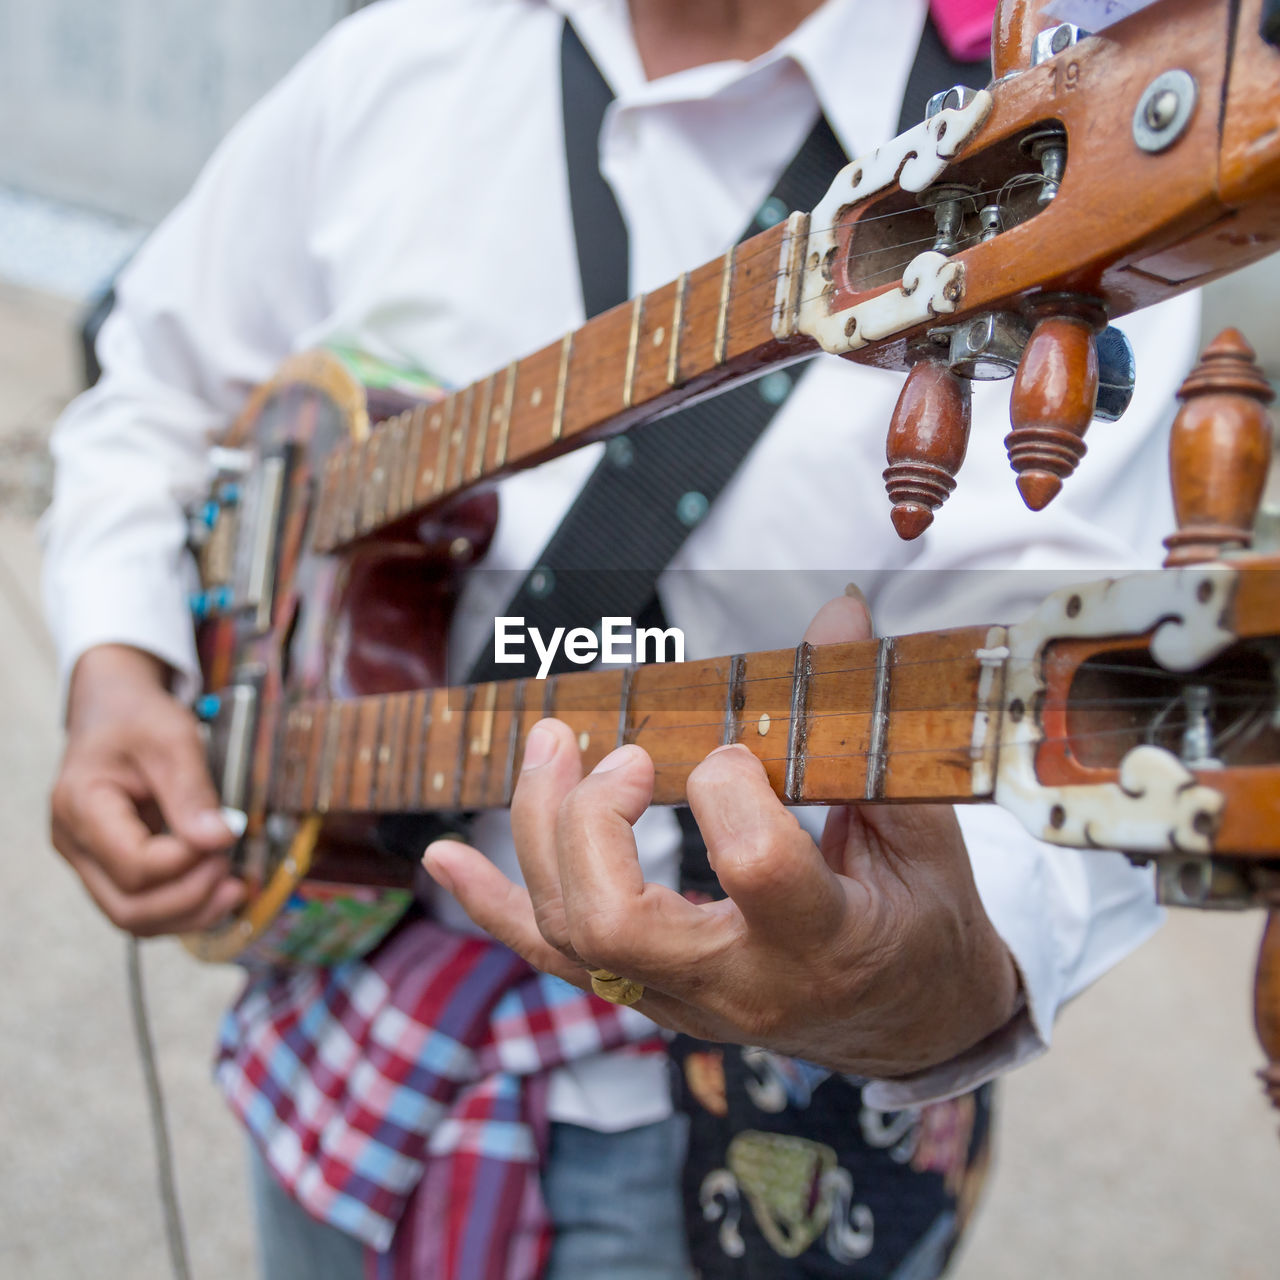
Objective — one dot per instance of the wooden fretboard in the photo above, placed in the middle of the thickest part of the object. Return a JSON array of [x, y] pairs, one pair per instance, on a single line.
[[912, 718], [661, 349]]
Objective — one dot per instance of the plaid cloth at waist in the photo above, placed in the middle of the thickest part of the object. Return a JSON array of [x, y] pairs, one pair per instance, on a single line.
[[402, 1098]]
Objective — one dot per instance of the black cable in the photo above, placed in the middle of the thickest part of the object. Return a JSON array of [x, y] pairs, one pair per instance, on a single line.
[[166, 1181]]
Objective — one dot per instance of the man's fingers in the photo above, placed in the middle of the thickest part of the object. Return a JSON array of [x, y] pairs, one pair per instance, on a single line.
[[764, 859], [504, 910], [617, 921], [173, 764], [101, 819], [551, 767], [840, 620], [193, 901], [497, 906]]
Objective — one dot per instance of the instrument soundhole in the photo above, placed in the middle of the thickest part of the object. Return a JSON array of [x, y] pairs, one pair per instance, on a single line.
[[1225, 713]]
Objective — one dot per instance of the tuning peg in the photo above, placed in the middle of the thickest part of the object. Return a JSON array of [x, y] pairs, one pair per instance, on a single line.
[[1219, 451], [1117, 374], [1054, 395], [928, 436]]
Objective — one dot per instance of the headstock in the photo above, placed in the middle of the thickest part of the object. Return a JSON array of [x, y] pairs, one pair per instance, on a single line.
[[1096, 175]]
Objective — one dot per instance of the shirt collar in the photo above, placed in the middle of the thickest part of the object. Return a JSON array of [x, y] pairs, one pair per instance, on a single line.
[[856, 55]]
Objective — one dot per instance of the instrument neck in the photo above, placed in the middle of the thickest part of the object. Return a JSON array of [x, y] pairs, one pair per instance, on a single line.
[[907, 718]]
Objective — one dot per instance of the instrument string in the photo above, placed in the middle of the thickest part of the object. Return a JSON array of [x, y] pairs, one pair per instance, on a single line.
[[610, 355]]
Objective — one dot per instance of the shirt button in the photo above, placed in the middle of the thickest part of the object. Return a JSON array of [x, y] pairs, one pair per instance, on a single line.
[[691, 508], [772, 212], [775, 387]]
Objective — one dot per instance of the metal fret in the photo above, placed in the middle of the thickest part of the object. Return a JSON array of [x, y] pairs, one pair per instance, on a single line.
[[733, 699], [482, 744], [798, 730], [333, 722], [562, 381], [486, 409], [879, 721], [367, 508], [420, 728], [295, 760], [442, 453], [350, 711], [624, 706], [677, 322], [460, 766], [402, 456], [311, 779], [376, 759], [549, 698], [633, 342], [391, 779], [726, 290], [351, 492], [413, 458], [461, 428], [513, 741], [508, 403]]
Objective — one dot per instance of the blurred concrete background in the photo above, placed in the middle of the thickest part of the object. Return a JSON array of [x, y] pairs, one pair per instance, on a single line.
[[1139, 1149]]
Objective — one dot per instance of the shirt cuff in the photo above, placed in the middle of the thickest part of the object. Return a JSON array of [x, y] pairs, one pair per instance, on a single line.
[[1011, 1045], [142, 602]]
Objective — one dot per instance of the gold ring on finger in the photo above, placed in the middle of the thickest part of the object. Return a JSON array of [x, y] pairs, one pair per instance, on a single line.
[[609, 986]]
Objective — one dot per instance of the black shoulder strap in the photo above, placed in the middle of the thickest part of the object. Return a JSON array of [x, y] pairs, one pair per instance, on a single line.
[[935, 69], [655, 485]]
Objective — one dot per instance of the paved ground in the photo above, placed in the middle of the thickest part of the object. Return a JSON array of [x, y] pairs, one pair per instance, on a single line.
[[1140, 1148]]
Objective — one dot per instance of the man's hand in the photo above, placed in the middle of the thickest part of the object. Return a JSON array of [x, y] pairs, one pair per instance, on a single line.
[[871, 954], [134, 810]]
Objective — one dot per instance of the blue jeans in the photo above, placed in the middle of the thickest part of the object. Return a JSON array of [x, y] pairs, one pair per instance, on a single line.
[[614, 1199]]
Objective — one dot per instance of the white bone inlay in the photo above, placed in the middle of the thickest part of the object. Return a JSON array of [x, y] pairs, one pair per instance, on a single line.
[[1156, 806], [931, 284]]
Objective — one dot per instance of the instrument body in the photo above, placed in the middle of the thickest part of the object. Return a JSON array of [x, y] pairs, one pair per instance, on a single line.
[[278, 622]]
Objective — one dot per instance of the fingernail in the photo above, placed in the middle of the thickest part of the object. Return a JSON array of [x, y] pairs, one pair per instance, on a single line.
[[539, 747], [436, 868], [615, 758], [855, 592], [730, 746], [214, 824]]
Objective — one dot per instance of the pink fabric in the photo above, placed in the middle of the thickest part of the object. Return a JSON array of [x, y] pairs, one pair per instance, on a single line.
[[965, 27]]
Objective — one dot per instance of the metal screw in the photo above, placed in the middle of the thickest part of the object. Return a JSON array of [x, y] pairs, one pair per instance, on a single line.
[[1161, 109], [954, 99], [1061, 38], [1164, 110]]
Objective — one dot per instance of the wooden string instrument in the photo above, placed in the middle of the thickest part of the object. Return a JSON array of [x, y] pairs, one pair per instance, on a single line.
[[1137, 715]]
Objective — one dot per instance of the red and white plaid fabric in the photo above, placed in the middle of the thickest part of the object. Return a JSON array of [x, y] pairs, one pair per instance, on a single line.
[[402, 1098]]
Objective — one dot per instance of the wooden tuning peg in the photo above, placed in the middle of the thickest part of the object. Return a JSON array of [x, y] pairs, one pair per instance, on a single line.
[[1054, 394], [1266, 1005], [928, 436], [1219, 451]]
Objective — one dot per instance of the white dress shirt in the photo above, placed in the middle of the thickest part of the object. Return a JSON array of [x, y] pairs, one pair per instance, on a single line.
[[403, 192]]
